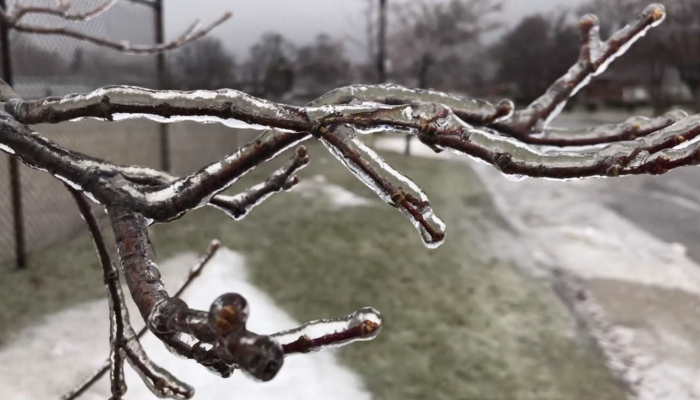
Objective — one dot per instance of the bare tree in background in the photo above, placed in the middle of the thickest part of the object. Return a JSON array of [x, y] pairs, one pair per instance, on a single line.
[[679, 43], [32, 60], [323, 64], [203, 64], [535, 52], [433, 43], [135, 197], [270, 66], [366, 42]]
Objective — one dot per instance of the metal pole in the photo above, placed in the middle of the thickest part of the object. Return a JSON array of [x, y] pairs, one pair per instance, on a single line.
[[161, 71], [381, 42], [15, 183]]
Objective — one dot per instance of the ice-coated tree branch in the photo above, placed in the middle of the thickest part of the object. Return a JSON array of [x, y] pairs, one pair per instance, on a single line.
[[14, 20], [124, 342], [518, 142], [194, 273], [240, 205], [595, 56], [61, 10]]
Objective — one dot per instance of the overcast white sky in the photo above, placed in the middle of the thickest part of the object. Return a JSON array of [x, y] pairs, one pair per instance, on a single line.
[[300, 20]]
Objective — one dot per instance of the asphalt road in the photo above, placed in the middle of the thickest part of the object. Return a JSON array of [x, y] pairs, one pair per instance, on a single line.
[[667, 206]]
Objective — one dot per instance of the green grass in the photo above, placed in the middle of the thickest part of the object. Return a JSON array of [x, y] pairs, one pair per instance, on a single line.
[[461, 322]]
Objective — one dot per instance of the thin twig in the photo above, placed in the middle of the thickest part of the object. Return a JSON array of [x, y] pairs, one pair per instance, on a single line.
[[13, 21], [240, 205], [116, 306], [364, 324], [594, 57], [62, 11], [194, 273]]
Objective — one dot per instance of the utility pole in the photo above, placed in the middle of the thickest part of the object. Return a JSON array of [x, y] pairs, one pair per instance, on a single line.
[[381, 42], [15, 183], [162, 72]]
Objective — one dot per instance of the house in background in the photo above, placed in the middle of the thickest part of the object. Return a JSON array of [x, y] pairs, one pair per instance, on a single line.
[[635, 86]]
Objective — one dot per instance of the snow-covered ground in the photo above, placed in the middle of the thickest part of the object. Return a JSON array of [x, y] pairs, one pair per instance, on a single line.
[[642, 295], [45, 360], [336, 194]]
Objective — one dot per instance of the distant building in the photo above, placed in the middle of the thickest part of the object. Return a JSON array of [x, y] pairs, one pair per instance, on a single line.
[[631, 87]]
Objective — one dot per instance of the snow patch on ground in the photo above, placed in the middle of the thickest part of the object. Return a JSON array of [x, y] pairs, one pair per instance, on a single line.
[[46, 360], [567, 228], [338, 195], [578, 233]]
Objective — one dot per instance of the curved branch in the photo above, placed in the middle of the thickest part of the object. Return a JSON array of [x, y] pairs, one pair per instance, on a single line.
[[239, 206], [632, 128], [594, 58], [194, 273], [669, 148], [472, 111], [13, 20], [60, 11]]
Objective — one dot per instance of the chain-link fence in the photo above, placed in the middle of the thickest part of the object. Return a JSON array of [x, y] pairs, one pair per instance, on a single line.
[[50, 65]]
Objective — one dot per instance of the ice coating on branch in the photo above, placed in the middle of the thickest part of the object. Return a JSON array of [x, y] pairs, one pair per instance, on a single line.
[[467, 108], [631, 128], [386, 129], [247, 206], [229, 122], [182, 338], [240, 205], [68, 182], [594, 59], [6, 149], [390, 185], [199, 182], [227, 106], [657, 12], [364, 324], [117, 332], [599, 50], [670, 142], [161, 382]]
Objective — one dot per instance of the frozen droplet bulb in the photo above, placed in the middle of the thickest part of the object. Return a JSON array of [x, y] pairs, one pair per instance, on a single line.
[[390, 185]]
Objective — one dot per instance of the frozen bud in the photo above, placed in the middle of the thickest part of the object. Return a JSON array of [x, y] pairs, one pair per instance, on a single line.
[[228, 314], [370, 321], [259, 356], [163, 318], [588, 22], [656, 11], [504, 110]]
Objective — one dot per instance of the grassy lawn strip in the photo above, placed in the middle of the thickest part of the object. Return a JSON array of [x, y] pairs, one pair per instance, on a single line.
[[460, 321]]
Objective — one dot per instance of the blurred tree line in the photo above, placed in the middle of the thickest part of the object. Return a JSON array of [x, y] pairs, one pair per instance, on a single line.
[[456, 45]]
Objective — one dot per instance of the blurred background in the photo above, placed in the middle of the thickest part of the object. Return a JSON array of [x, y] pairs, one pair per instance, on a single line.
[[543, 290]]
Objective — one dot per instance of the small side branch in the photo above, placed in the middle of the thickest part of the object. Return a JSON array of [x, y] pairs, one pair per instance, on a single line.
[[62, 10], [194, 273], [364, 324], [239, 206], [668, 148], [123, 341], [117, 308], [594, 58], [472, 111], [632, 128], [14, 18]]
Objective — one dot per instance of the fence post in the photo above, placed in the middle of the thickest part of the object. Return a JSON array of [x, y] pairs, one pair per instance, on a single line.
[[15, 183], [162, 79], [381, 53]]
